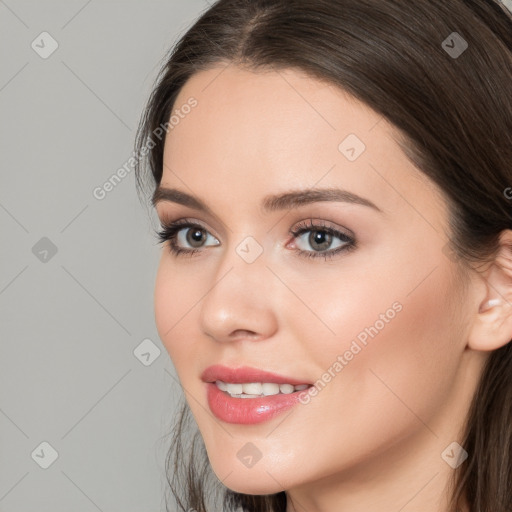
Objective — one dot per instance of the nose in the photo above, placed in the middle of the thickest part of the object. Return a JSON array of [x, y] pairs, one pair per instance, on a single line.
[[239, 302]]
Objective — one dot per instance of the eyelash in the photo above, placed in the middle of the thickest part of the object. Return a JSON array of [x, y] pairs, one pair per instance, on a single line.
[[170, 231]]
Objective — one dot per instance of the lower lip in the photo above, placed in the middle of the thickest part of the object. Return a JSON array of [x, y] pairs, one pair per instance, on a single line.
[[248, 411]]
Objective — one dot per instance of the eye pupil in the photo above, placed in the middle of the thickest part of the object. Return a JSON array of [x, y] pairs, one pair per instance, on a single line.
[[320, 237], [194, 237]]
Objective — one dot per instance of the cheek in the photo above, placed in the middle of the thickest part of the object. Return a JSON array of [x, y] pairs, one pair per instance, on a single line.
[[399, 352], [176, 293]]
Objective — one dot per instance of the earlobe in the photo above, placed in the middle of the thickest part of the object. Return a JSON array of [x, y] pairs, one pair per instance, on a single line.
[[491, 303], [492, 326]]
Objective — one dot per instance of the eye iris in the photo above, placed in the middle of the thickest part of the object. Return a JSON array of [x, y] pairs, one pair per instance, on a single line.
[[320, 237], [194, 237]]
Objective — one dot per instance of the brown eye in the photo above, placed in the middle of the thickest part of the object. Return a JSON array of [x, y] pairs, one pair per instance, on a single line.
[[320, 240], [185, 237], [192, 236], [195, 236], [323, 241]]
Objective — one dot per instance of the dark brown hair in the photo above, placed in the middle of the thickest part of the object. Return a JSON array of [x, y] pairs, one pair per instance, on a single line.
[[454, 113]]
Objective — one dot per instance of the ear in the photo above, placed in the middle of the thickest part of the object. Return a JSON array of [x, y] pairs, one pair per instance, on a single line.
[[492, 326]]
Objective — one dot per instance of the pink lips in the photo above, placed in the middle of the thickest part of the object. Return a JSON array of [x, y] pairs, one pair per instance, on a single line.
[[245, 374], [247, 411]]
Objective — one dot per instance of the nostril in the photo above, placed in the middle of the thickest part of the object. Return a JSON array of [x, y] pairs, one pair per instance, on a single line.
[[242, 333]]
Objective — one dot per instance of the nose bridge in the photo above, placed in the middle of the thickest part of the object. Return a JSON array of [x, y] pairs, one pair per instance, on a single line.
[[242, 264], [238, 298]]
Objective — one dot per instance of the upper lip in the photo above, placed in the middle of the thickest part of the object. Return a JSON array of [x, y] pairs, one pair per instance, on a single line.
[[245, 374]]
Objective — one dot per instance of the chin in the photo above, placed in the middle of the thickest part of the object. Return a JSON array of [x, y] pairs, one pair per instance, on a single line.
[[252, 488], [247, 481]]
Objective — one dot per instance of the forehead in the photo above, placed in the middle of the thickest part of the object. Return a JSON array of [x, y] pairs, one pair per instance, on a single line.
[[278, 108], [260, 131]]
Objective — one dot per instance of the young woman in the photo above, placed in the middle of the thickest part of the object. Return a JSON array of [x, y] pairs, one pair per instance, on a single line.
[[334, 184]]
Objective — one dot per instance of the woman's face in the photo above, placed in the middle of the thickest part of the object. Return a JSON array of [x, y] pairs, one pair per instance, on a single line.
[[379, 327]]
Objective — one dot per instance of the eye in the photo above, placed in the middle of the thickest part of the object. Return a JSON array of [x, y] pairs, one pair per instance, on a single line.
[[325, 241], [182, 233], [187, 238]]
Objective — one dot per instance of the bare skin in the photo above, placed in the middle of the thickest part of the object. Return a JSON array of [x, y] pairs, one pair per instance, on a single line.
[[373, 437]]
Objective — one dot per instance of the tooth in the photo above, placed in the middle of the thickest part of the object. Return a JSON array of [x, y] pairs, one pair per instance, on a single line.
[[286, 388], [252, 388], [257, 389], [234, 389], [270, 388]]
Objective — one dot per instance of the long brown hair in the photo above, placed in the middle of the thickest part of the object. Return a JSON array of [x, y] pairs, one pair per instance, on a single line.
[[454, 111]]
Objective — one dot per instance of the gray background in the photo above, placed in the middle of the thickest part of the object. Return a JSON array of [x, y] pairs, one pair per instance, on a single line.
[[71, 321]]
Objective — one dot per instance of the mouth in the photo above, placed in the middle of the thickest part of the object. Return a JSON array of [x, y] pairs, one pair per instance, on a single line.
[[247, 395]]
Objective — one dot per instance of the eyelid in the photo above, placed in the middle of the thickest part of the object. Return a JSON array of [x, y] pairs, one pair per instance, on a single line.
[[166, 221], [295, 230], [167, 218], [314, 224]]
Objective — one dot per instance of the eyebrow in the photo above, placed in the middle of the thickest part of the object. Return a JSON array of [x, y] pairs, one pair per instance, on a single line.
[[271, 203]]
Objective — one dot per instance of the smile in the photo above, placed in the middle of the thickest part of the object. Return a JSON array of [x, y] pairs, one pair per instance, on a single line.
[[258, 389]]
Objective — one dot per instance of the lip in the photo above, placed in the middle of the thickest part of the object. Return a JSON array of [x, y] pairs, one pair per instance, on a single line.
[[247, 411], [246, 374]]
